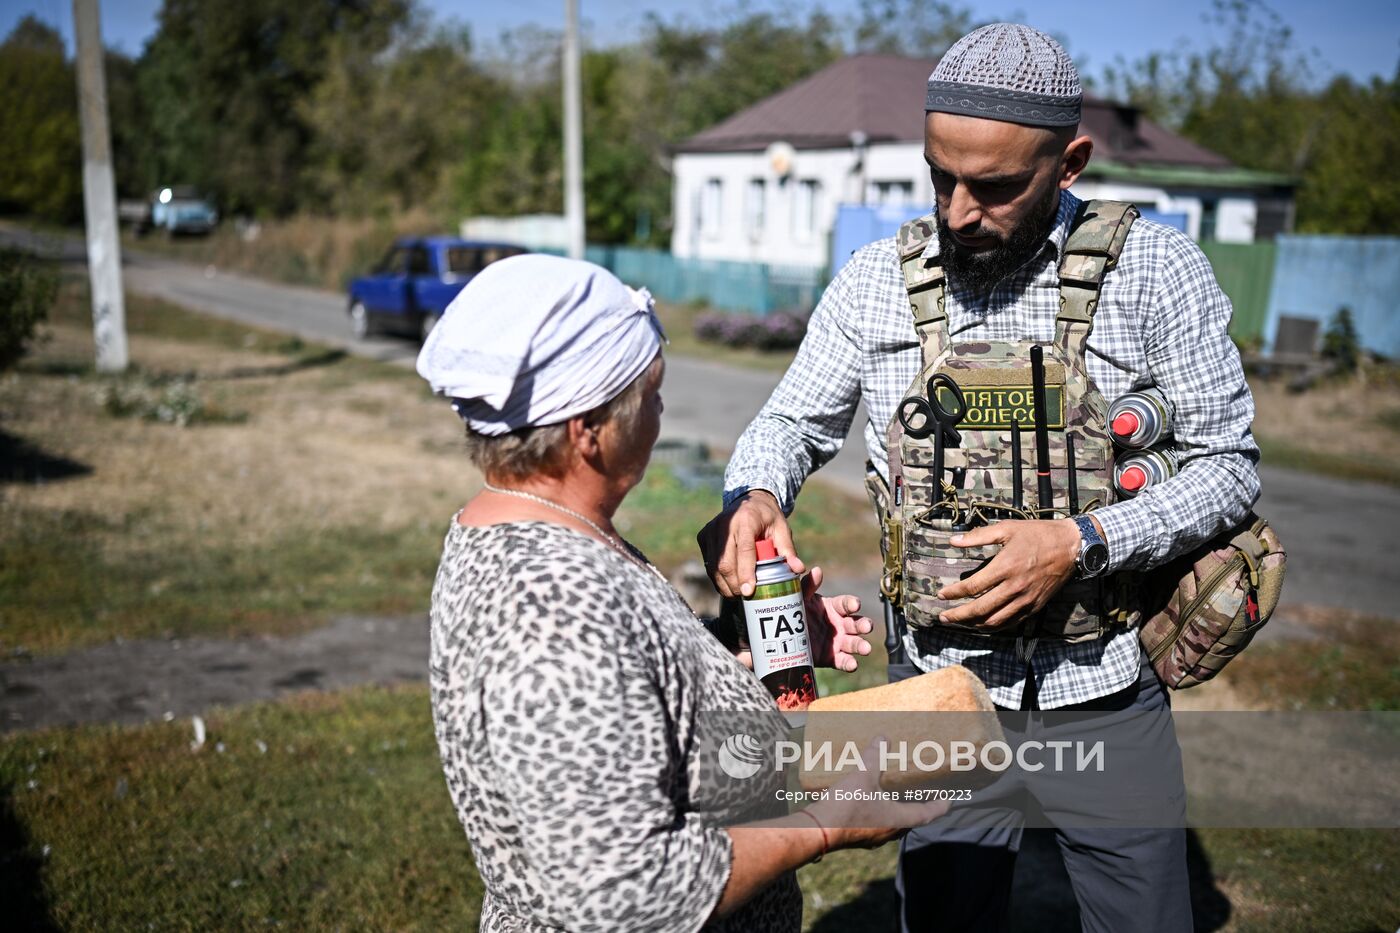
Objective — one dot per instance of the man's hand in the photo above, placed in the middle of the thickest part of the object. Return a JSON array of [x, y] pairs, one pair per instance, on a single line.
[[1035, 560], [834, 626], [727, 542]]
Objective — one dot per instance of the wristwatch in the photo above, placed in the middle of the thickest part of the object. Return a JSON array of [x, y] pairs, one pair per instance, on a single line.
[[1093, 552]]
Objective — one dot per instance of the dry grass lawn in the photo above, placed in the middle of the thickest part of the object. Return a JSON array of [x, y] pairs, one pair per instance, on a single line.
[[306, 483], [316, 456], [1347, 428], [321, 480]]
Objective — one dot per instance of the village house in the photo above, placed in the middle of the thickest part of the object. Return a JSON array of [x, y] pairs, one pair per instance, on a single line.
[[765, 184]]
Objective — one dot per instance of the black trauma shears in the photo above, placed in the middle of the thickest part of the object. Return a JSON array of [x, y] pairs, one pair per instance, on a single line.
[[924, 416], [921, 415]]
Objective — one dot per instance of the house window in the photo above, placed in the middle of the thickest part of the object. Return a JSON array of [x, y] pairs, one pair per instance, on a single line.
[[894, 193], [1273, 216], [1210, 213], [754, 206], [711, 206], [806, 208]]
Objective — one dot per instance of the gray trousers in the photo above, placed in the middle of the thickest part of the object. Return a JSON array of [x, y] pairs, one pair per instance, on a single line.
[[955, 873]]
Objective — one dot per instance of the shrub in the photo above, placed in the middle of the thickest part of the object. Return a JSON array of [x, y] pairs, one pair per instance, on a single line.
[[781, 330], [174, 401], [27, 291], [1341, 343]]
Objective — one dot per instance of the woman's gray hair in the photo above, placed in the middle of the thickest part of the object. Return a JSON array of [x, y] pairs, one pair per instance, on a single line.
[[545, 449]]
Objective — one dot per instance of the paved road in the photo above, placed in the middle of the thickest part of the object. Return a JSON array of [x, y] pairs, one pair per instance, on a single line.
[[1342, 536]]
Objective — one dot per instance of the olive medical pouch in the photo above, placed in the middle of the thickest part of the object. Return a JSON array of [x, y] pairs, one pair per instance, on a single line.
[[1205, 607], [931, 563]]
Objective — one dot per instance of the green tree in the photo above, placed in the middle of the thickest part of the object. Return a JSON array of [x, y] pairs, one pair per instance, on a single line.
[[27, 291], [1349, 182], [716, 72], [40, 146], [223, 83], [639, 100], [134, 157], [385, 128], [917, 28], [1253, 96]]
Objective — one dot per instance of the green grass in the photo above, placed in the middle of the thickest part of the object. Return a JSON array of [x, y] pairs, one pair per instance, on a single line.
[[61, 588], [343, 822], [325, 812], [1307, 879], [1390, 420], [662, 517], [1352, 664], [330, 812]]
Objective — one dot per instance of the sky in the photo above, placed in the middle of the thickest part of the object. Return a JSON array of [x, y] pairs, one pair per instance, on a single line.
[[1356, 37]]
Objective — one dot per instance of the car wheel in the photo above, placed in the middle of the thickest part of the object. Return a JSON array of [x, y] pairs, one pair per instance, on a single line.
[[360, 324], [426, 325]]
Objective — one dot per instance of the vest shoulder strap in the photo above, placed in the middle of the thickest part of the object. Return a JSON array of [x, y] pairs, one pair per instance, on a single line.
[[1095, 242], [925, 284]]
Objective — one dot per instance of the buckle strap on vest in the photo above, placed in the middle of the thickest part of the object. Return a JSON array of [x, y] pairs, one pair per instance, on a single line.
[[925, 284], [1096, 239]]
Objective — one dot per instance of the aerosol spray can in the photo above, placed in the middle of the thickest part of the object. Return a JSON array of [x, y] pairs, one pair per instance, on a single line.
[[1140, 419], [1133, 474], [776, 621]]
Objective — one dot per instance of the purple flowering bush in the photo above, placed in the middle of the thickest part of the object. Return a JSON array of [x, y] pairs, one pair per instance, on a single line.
[[781, 330]]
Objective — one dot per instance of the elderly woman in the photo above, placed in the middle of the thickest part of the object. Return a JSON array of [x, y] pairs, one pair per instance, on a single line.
[[567, 675]]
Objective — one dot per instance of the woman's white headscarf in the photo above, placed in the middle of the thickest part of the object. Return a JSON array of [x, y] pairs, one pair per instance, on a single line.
[[535, 340]]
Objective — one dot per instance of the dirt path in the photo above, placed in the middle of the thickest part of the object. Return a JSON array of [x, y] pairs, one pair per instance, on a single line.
[[132, 682], [140, 681]]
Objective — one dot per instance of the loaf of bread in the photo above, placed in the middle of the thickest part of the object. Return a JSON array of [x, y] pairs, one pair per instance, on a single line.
[[949, 708]]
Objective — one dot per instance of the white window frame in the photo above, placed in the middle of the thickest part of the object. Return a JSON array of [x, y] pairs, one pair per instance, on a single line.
[[712, 208], [806, 209], [883, 192], [755, 207]]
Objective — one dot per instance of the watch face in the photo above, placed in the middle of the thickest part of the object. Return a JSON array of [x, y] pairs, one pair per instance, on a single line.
[[1094, 558]]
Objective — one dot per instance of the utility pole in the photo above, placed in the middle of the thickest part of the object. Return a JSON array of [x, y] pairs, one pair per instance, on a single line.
[[99, 196], [573, 133]]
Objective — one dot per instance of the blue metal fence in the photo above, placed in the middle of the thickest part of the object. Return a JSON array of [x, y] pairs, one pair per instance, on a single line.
[[733, 286], [1315, 276], [1312, 276]]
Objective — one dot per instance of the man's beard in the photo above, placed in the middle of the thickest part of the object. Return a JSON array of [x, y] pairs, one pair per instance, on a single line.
[[980, 270]]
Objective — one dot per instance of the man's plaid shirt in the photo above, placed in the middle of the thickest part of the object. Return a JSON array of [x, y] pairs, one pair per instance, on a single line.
[[1161, 321]]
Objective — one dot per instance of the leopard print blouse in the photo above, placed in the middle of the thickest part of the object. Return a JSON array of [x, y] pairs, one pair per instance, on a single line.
[[567, 683]]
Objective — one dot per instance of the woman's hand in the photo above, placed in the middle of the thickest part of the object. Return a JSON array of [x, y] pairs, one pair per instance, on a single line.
[[863, 819], [834, 626]]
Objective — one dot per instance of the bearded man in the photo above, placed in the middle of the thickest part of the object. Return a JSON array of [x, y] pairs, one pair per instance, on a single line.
[[980, 284]]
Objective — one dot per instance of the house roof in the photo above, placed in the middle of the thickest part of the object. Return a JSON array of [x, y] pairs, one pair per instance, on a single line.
[[882, 96], [1187, 176], [879, 95]]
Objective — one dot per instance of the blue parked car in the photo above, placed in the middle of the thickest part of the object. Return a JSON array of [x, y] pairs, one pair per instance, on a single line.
[[175, 210], [416, 281]]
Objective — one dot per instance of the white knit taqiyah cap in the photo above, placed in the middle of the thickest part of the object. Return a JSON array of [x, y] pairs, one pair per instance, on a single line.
[[535, 340], [1007, 72]]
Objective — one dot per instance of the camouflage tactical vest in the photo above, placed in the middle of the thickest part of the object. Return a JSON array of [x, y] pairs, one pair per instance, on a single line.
[[996, 381]]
